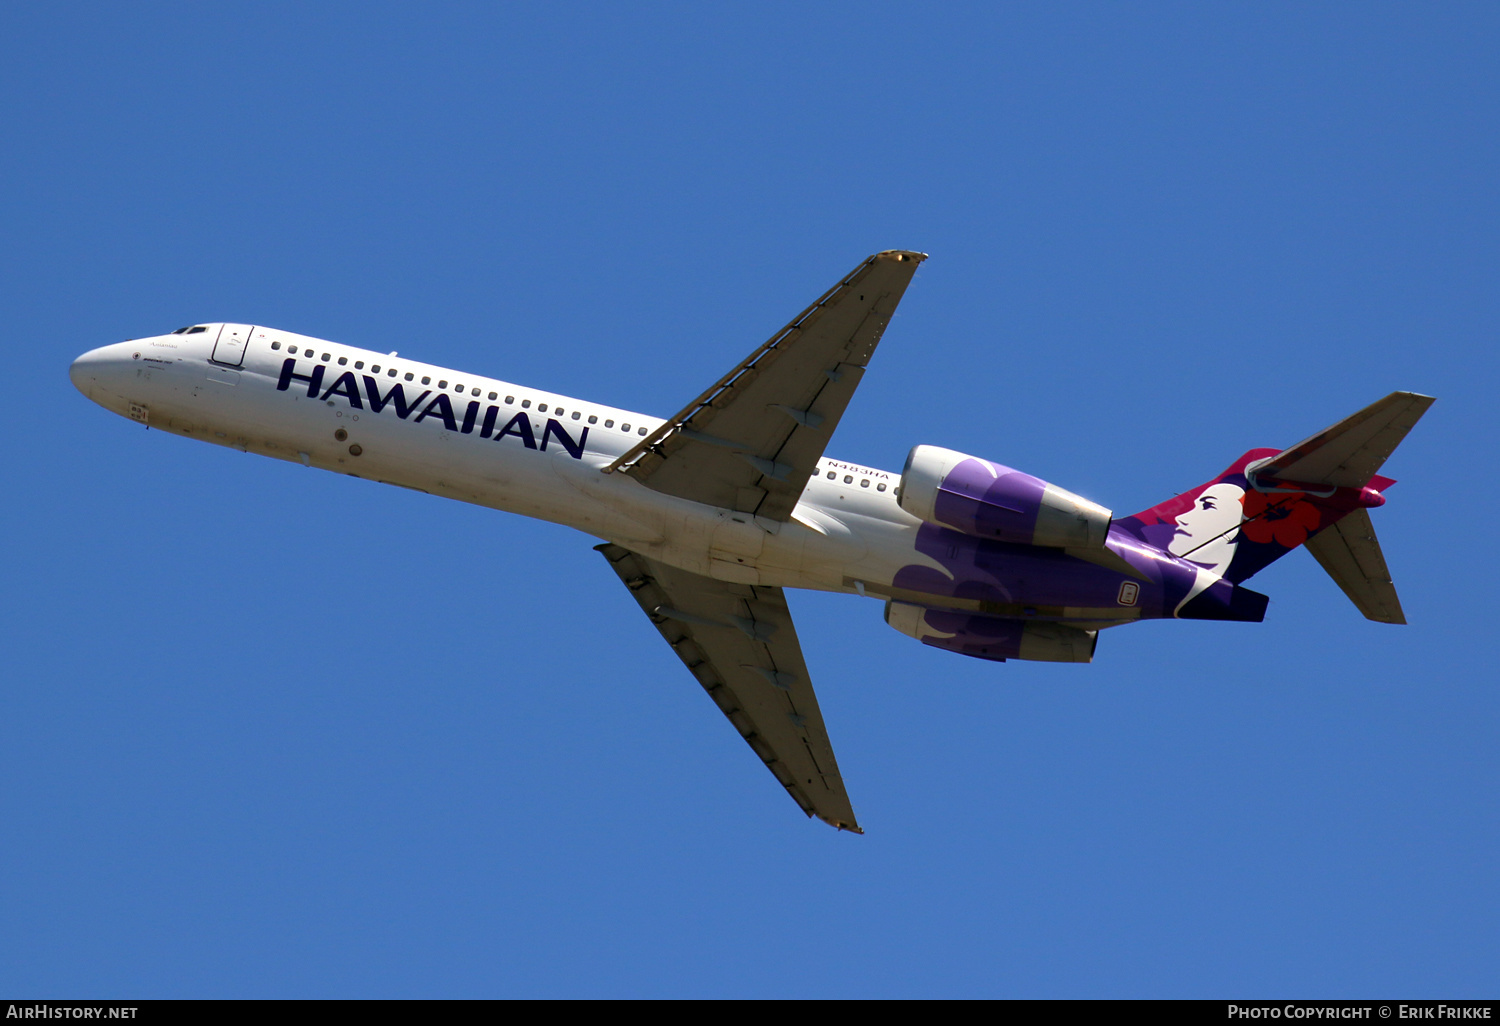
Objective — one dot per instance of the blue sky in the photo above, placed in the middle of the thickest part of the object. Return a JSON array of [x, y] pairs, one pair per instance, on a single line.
[[270, 732]]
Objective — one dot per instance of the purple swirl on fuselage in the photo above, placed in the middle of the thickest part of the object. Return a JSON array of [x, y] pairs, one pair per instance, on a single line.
[[1021, 577], [990, 500], [1026, 582]]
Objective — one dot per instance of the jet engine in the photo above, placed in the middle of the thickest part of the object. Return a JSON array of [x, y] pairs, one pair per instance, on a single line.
[[990, 637], [989, 500]]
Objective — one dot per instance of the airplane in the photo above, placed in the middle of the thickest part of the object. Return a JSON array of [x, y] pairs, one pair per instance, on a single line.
[[709, 515]]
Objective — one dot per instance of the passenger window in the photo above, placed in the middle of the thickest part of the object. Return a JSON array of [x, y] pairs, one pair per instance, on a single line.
[[558, 411], [343, 360], [275, 345], [576, 415], [625, 428], [410, 375], [541, 407], [360, 365], [609, 423], [391, 372], [459, 389], [593, 419], [880, 488], [640, 431], [292, 350], [525, 404], [493, 396], [864, 482], [327, 357], [848, 479], [374, 368], [509, 400], [831, 475], [442, 384]]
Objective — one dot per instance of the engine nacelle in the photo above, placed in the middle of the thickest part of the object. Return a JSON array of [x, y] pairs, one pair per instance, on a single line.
[[989, 637], [989, 500]]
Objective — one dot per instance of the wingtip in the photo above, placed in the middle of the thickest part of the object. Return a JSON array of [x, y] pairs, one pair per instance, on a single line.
[[851, 827], [901, 255]]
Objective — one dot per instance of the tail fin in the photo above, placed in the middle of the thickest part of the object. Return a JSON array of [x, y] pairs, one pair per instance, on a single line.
[[1270, 501]]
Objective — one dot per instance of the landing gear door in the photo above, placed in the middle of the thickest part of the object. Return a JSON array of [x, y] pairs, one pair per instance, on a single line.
[[229, 349]]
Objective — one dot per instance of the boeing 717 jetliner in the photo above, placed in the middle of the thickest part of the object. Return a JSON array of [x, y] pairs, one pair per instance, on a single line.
[[709, 515]]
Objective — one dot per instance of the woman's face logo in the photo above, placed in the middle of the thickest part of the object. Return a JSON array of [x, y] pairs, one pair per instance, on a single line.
[[1207, 533]]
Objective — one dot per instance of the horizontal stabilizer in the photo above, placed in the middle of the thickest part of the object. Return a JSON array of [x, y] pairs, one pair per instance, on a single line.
[[1351, 554], [1348, 454]]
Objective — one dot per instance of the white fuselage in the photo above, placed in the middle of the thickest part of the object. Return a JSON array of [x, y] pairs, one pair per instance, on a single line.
[[492, 443]]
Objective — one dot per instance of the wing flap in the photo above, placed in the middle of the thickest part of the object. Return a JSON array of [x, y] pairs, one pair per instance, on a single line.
[[1351, 554], [739, 643], [751, 441]]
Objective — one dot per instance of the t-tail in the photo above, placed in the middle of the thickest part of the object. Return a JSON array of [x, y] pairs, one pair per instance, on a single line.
[[1317, 493]]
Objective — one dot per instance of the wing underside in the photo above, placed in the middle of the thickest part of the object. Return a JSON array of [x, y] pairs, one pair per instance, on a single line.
[[751, 441], [740, 644]]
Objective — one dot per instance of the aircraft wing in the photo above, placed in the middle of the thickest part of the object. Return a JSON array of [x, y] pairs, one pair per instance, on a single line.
[[751, 441], [740, 643]]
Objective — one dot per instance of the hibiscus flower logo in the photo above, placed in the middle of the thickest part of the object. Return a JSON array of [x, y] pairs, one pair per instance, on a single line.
[[1285, 518]]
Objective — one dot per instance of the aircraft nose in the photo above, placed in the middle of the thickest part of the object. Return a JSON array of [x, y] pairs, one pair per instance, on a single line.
[[93, 368], [84, 370]]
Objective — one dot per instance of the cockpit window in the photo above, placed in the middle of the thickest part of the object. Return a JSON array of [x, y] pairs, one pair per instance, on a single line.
[[191, 329]]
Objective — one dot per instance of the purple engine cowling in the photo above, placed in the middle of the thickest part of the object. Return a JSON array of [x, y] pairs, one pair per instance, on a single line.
[[990, 637], [988, 500]]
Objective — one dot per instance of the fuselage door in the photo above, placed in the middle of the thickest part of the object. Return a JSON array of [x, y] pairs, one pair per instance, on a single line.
[[229, 349]]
